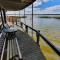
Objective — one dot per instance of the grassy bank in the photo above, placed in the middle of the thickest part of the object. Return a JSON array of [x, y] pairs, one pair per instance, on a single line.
[[44, 17], [49, 17], [47, 51]]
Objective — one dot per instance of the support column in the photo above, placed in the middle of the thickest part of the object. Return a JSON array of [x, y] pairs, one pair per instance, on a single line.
[[2, 18], [19, 17], [4, 15], [32, 19], [24, 16]]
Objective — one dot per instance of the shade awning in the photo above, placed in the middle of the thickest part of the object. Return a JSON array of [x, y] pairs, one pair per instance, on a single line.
[[15, 5]]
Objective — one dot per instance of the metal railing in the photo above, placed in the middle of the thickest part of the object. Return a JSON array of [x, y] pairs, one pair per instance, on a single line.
[[38, 35]]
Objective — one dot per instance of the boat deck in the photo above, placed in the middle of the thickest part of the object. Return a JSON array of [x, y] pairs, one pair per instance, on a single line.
[[27, 46], [29, 49]]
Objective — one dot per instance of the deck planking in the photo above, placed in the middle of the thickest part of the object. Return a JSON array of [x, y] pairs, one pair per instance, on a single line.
[[29, 49]]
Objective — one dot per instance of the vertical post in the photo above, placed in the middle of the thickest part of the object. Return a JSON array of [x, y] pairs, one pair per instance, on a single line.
[[21, 25], [26, 27], [19, 18], [38, 37], [24, 16], [32, 19], [16, 20], [4, 16]]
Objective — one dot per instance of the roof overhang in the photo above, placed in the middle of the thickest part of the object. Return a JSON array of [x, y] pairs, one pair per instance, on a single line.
[[14, 5]]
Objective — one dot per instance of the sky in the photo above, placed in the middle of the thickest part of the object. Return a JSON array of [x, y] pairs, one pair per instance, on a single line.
[[42, 7]]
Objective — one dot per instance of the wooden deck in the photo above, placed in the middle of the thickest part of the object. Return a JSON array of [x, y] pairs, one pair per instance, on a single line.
[[29, 49]]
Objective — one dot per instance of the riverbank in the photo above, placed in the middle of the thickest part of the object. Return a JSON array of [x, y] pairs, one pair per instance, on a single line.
[[47, 51], [49, 17]]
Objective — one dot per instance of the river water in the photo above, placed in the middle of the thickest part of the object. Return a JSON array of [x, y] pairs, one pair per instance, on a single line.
[[49, 27]]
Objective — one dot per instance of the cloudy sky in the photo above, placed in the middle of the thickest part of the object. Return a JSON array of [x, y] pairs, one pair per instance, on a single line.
[[43, 7]]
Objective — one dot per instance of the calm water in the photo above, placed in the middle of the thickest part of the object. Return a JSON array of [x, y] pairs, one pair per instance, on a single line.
[[41, 23], [47, 26]]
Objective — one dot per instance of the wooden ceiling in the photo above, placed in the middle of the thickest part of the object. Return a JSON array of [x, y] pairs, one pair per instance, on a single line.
[[14, 5]]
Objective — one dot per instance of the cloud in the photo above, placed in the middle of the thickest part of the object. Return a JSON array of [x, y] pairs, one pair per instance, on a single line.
[[45, 1], [36, 3], [39, 2], [53, 8], [49, 10]]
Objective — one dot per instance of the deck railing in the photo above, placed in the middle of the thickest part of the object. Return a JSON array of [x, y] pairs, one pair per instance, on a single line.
[[38, 35]]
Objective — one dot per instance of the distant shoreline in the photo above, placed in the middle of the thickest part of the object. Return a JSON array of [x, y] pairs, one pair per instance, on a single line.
[[49, 17], [34, 14]]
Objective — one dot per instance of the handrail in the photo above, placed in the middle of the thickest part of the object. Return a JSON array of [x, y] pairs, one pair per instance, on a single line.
[[50, 44], [38, 34]]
